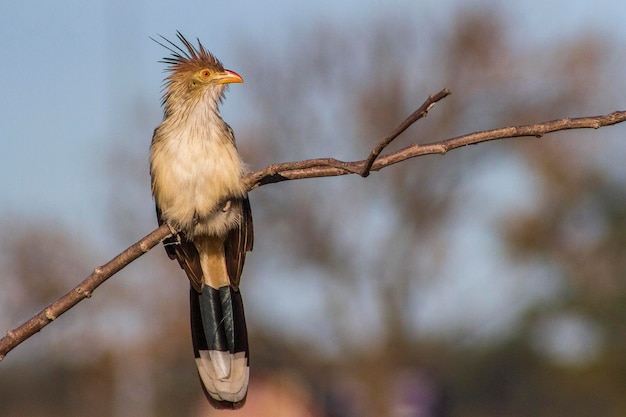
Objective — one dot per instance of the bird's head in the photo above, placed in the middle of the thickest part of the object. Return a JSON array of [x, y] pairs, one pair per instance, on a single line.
[[195, 75]]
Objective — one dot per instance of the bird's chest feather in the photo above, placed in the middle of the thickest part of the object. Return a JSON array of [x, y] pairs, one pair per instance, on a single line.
[[193, 171]]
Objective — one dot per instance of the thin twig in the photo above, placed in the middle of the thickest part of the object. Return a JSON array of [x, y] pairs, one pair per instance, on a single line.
[[420, 113]]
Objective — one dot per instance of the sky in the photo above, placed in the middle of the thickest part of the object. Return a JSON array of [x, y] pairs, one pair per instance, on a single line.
[[80, 78], [75, 75]]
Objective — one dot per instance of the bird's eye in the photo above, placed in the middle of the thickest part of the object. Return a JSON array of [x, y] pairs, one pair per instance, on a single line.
[[206, 73]]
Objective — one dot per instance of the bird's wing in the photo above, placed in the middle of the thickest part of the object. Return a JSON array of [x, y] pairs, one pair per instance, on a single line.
[[185, 252], [239, 241]]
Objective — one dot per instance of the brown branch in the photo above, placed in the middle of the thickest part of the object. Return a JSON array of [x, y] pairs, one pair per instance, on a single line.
[[420, 113], [312, 168], [325, 167], [80, 292]]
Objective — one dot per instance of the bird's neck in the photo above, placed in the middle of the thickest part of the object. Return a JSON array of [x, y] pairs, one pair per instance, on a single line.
[[198, 115]]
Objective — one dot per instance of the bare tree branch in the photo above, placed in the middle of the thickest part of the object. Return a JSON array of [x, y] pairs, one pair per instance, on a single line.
[[81, 291], [420, 113], [311, 168], [328, 167]]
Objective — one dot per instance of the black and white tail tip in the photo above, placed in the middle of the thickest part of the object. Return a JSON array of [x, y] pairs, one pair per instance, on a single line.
[[220, 344]]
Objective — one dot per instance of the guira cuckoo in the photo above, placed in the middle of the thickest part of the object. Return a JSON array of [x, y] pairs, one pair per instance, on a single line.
[[198, 190]]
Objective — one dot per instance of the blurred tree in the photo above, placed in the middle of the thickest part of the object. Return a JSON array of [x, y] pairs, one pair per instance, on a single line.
[[379, 248]]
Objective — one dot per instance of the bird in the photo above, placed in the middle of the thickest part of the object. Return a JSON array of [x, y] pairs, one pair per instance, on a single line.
[[197, 184]]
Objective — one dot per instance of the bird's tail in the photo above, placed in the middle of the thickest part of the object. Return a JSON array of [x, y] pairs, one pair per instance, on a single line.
[[220, 344]]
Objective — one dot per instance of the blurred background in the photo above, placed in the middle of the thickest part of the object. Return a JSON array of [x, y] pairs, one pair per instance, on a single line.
[[487, 282]]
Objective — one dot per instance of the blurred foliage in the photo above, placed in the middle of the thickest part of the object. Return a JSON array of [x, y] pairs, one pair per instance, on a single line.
[[432, 288]]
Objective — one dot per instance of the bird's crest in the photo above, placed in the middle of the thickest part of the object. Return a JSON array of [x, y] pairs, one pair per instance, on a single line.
[[191, 59]]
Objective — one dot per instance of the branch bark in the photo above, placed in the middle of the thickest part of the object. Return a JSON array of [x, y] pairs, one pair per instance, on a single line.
[[81, 291], [328, 167], [311, 168]]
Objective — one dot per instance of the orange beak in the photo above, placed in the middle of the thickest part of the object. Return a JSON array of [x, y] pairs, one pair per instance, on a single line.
[[227, 77]]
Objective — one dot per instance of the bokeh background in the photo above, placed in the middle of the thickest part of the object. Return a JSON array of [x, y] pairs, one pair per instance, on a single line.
[[487, 282]]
